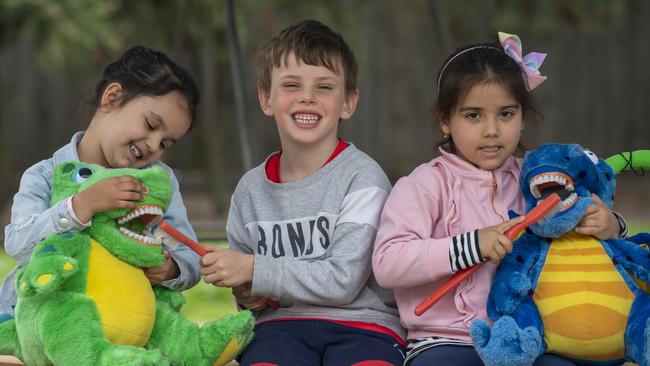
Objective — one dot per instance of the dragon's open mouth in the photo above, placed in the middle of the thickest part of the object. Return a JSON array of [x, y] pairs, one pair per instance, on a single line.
[[545, 184], [140, 219]]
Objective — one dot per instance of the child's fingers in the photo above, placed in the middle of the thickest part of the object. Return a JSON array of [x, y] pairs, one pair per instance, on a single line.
[[123, 204], [211, 258], [241, 294], [242, 291], [505, 226], [214, 279], [597, 199], [500, 253], [588, 221], [591, 209], [129, 196], [588, 230], [126, 183], [505, 243]]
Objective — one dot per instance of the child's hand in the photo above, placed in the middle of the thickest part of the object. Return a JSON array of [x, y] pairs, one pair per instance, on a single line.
[[243, 298], [227, 268], [492, 241], [167, 271], [109, 194], [599, 221]]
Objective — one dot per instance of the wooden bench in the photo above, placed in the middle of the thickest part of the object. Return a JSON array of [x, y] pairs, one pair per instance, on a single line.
[[9, 361], [13, 361]]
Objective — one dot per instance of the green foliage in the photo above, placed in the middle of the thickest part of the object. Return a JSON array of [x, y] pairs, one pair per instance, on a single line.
[[6, 264], [63, 30], [471, 21], [637, 226], [542, 17], [67, 31], [206, 302]]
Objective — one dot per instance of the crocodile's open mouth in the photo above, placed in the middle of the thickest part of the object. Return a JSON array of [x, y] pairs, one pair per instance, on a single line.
[[140, 219], [545, 184]]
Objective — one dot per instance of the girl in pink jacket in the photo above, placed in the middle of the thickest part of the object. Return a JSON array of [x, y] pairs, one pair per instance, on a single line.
[[451, 213]]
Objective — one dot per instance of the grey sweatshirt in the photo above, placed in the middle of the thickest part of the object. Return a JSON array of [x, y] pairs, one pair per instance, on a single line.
[[312, 240]]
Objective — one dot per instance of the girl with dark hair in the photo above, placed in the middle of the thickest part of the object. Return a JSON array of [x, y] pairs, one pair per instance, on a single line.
[[451, 213], [143, 104]]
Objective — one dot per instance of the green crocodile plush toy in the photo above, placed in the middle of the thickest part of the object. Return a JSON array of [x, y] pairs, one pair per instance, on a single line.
[[83, 299]]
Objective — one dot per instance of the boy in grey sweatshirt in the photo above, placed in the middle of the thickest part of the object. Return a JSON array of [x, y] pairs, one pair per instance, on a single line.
[[302, 224]]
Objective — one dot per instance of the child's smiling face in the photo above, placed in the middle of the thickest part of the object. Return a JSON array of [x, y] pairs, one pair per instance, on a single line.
[[486, 125], [307, 102], [139, 132]]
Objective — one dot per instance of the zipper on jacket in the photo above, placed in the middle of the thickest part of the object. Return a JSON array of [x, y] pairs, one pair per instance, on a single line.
[[494, 196]]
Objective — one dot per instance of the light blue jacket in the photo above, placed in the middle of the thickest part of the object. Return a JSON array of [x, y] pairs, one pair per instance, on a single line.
[[32, 219]]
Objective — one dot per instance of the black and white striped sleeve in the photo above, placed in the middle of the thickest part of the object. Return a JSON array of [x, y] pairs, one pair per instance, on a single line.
[[622, 233], [464, 251]]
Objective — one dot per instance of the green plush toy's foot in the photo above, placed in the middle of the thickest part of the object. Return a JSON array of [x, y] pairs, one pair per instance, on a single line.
[[223, 339], [131, 356], [8, 336]]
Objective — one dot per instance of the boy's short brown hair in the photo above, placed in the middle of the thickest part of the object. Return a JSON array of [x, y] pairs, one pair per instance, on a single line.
[[313, 43]]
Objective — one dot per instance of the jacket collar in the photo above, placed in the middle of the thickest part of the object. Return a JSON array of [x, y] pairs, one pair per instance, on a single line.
[[69, 151], [454, 162]]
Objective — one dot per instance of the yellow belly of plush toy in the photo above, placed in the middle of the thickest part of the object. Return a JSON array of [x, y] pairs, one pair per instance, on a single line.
[[583, 300], [123, 296]]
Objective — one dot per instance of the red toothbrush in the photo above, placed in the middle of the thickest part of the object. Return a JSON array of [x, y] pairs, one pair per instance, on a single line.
[[539, 211], [174, 238]]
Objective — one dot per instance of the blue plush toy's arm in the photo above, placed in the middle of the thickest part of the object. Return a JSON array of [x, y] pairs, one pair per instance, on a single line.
[[511, 282], [632, 256]]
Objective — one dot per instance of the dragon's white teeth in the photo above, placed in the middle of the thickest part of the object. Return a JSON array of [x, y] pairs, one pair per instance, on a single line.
[[569, 201], [137, 212], [535, 192], [540, 179], [141, 238]]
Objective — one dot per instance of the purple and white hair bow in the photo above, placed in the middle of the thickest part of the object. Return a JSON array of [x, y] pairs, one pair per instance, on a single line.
[[529, 64]]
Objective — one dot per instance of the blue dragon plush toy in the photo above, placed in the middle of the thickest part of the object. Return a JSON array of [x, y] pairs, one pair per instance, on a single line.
[[562, 292]]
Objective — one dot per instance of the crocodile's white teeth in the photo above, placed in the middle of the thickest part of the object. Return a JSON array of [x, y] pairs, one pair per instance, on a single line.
[[142, 210], [141, 238]]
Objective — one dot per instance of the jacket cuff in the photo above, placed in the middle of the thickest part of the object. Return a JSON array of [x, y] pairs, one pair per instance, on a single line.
[[622, 224], [464, 251], [62, 218]]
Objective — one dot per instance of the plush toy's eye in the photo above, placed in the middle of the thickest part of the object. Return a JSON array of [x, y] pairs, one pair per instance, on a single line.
[[81, 174], [592, 156]]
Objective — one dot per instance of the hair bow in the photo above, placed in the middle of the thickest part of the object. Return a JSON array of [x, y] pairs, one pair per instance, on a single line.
[[529, 64]]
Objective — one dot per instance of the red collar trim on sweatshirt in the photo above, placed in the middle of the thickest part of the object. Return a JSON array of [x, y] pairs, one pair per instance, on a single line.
[[273, 164]]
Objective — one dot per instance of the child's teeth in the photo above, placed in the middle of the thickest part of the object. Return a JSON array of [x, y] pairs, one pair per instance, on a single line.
[[135, 151], [306, 118]]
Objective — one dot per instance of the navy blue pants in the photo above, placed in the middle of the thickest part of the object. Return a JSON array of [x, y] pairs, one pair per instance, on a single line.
[[318, 342], [467, 356]]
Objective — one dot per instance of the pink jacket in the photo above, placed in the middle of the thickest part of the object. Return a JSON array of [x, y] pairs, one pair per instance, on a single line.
[[440, 199]]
